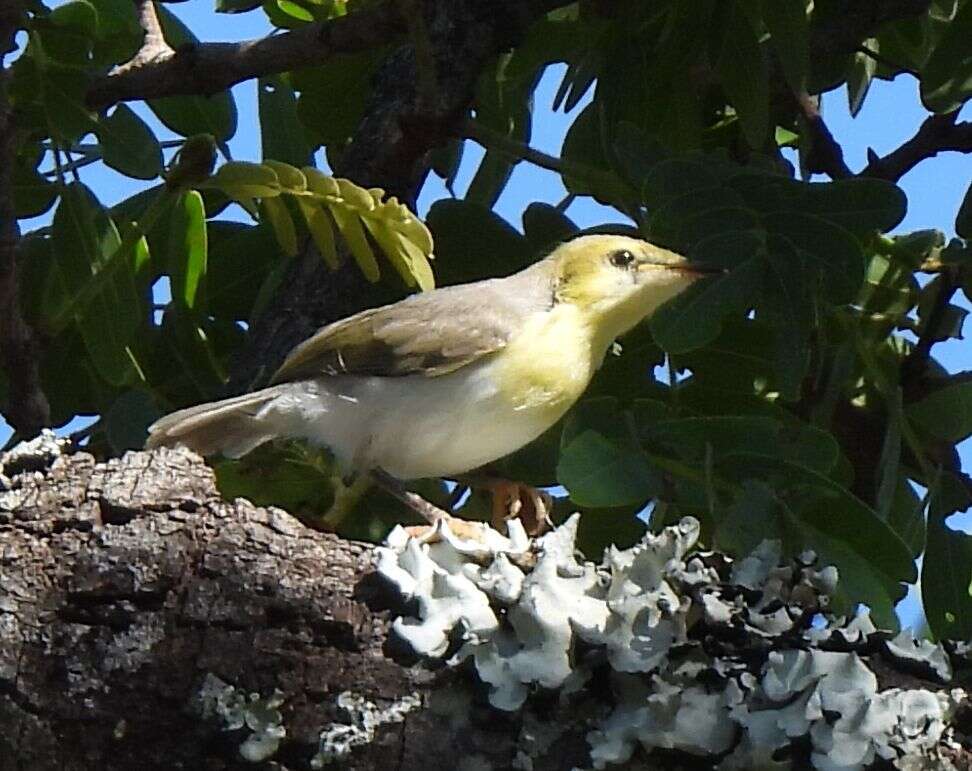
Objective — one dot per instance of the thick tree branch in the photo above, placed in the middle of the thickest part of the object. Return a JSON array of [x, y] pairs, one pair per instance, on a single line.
[[938, 133], [207, 68], [25, 407]]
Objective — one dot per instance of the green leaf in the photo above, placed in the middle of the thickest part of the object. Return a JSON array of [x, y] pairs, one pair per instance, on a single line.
[[332, 97], [860, 204], [946, 573], [240, 179], [825, 248], [282, 135], [945, 413], [239, 260], [862, 69], [786, 305], [963, 221], [675, 177], [946, 79], [349, 223], [473, 243], [237, 6], [792, 441], [600, 472], [744, 77], [128, 145], [789, 35], [32, 193], [322, 232], [188, 115], [277, 214], [407, 259], [126, 422], [545, 226], [85, 238], [694, 318], [189, 255], [829, 509]]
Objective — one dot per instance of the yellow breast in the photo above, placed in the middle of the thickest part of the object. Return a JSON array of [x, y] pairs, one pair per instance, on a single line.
[[549, 363]]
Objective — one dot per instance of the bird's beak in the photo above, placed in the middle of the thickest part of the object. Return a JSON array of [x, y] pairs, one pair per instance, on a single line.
[[694, 268]]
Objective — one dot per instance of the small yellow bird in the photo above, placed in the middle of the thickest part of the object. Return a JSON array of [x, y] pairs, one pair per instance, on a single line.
[[444, 382]]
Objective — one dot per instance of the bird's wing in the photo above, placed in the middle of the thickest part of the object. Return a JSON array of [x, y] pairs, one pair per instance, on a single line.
[[432, 333]]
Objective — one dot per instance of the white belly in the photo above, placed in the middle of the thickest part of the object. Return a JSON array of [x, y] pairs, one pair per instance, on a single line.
[[415, 426]]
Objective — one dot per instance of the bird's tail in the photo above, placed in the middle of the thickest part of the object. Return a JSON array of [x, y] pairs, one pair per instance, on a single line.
[[232, 426]]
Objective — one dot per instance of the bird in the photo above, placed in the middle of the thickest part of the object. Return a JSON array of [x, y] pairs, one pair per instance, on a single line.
[[444, 382]]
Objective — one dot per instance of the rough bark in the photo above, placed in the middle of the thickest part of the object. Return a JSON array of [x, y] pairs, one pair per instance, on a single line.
[[129, 588], [126, 586]]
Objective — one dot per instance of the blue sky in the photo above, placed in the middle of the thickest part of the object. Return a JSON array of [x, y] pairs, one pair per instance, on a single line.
[[890, 115]]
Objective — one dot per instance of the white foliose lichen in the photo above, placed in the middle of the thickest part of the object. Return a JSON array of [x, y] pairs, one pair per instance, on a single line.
[[235, 710], [676, 631], [363, 719]]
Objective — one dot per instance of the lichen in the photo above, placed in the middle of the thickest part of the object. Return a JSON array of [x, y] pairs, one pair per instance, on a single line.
[[234, 710], [703, 655], [363, 719]]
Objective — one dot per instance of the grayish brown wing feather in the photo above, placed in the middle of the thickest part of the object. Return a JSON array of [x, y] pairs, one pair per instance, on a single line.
[[433, 333]]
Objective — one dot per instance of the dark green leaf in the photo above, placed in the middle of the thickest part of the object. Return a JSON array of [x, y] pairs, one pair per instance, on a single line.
[[946, 574], [600, 473], [963, 220], [32, 193], [694, 317], [831, 510], [946, 79], [84, 237], [825, 248], [945, 413], [126, 422], [282, 135], [791, 441], [332, 97], [128, 144], [237, 6], [545, 226], [669, 179], [789, 35], [472, 243], [744, 76], [863, 67]]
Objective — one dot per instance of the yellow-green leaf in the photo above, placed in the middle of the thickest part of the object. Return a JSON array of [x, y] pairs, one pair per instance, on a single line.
[[349, 224], [319, 225], [291, 179], [282, 224], [240, 179], [355, 196], [320, 183]]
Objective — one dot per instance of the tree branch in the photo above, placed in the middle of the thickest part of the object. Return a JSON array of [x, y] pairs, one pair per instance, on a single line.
[[938, 133], [207, 68], [26, 407], [826, 155]]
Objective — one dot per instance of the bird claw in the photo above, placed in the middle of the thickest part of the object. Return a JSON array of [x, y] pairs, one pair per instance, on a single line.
[[514, 500]]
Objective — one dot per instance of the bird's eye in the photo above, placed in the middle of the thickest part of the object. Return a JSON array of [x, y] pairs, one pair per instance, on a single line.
[[622, 258]]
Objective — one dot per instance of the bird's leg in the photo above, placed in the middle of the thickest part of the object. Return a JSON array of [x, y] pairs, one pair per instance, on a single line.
[[394, 487], [515, 500]]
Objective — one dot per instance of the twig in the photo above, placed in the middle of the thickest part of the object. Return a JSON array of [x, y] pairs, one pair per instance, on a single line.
[[826, 155], [881, 59], [207, 68], [26, 407], [494, 140], [914, 364], [938, 133]]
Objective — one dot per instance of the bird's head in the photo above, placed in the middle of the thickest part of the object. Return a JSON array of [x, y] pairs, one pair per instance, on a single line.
[[617, 281]]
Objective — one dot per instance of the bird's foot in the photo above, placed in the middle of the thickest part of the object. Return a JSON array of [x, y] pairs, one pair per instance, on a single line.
[[515, 500]]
